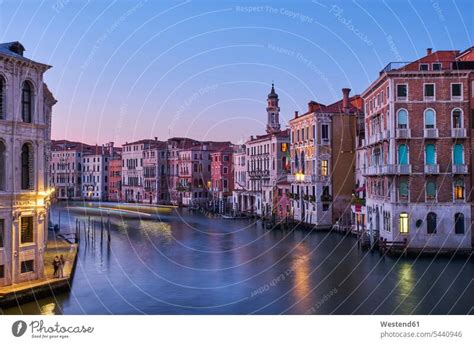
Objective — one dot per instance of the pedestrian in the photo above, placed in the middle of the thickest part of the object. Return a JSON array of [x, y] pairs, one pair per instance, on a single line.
[[56, 266], [62, 261]]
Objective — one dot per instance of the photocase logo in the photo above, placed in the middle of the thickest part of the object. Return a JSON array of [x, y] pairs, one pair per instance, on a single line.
[[19, 328]]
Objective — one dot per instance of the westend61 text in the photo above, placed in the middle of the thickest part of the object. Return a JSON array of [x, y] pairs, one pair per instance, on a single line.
[[400, 324]]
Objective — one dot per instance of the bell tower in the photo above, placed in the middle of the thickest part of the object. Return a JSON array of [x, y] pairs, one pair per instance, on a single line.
[[273, 112]]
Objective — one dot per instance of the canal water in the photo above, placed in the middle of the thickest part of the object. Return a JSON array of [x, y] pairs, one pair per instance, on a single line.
[[179, 262]]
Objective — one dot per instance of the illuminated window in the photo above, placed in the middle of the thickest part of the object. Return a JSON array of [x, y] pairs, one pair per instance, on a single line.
[[27, 229], [284, 147], [404, 228], [459, 189], [324, 167]]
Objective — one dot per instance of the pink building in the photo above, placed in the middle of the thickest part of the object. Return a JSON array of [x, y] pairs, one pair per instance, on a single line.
[[222, 178]]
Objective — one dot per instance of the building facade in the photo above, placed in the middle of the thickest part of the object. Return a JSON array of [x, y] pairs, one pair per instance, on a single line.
[[25, 134], [115, 179], [322, 155], [95, 174], [222, 179], [419, 171], [268, 162], [65, 168]]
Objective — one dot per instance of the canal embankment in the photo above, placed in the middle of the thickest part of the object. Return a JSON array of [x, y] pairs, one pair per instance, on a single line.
[[48, 285]]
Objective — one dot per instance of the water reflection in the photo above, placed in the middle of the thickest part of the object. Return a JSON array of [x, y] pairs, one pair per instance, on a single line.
[[178, 262]]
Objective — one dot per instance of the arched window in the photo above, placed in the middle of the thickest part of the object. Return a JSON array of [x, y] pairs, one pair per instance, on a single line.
[[459, 223], [457, 118], [430, 121], [402, 119], [403, 154], [27, 167], [403, 189], [2, 166], [430, 154], [431, 223], [26, 102], [296, 163], [2, 97], [458, 154], [459, 189]]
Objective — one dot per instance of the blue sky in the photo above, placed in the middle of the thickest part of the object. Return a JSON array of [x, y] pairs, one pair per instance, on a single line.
[[126, 70]]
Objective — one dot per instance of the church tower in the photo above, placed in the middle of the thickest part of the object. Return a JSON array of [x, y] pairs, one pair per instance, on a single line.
[[273, 112]]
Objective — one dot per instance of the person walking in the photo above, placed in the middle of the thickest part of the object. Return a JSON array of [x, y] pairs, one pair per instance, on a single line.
[[56, 266], [62, 261]]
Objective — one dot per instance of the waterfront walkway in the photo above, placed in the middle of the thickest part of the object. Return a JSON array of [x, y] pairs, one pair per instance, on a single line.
[[20, 292]]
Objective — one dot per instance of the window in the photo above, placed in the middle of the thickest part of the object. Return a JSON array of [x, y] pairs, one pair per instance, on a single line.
[[284, 147], [324, 167], [430, 154], [2, 271], [403, 190], [402, 91], [436, 66], [26, 167], [225, 170], [402, 119], [27, 266], [456, 91], [459, 223], [2, 166], [325, 132], [431, 190], [2, 232], [2, 98], [26, 102], [429, 91], [431, 223], [459, 189], [404, 227], [225, 183], [26, 229], [457, 119], [430, 119], [458, 154], [423, 67], [325, 206], [403, 154]]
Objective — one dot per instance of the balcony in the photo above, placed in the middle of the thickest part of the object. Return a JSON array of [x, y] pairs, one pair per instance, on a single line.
[[431, 133], [396, 169], [373, 170], [459, 169], [432, 169], [458, 133], [403, 133]]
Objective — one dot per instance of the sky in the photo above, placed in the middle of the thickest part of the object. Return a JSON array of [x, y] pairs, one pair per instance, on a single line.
[[127, 70]]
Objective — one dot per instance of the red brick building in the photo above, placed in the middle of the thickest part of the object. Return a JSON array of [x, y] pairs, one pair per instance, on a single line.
[[418, 151], [222, 178]]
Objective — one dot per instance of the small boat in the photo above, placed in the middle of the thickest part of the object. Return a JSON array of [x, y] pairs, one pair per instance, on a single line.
[[230, 217]]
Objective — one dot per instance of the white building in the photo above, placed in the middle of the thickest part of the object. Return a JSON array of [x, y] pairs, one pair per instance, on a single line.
[[95, 174], [25, 133], [267, 162]]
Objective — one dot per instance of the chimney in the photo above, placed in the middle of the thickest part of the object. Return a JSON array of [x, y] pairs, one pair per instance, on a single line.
[[429, 51], [156, 138], [345, 98], [296, 114], [312, 106]]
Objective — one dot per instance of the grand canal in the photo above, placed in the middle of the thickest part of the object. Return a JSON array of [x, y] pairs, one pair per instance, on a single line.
[[178, 262]]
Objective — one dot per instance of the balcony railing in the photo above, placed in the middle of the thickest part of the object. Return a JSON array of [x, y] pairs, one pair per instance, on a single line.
[[388, 169], [459, 169], [431, 133], [403, 133], [458, 133], [432, 169]]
